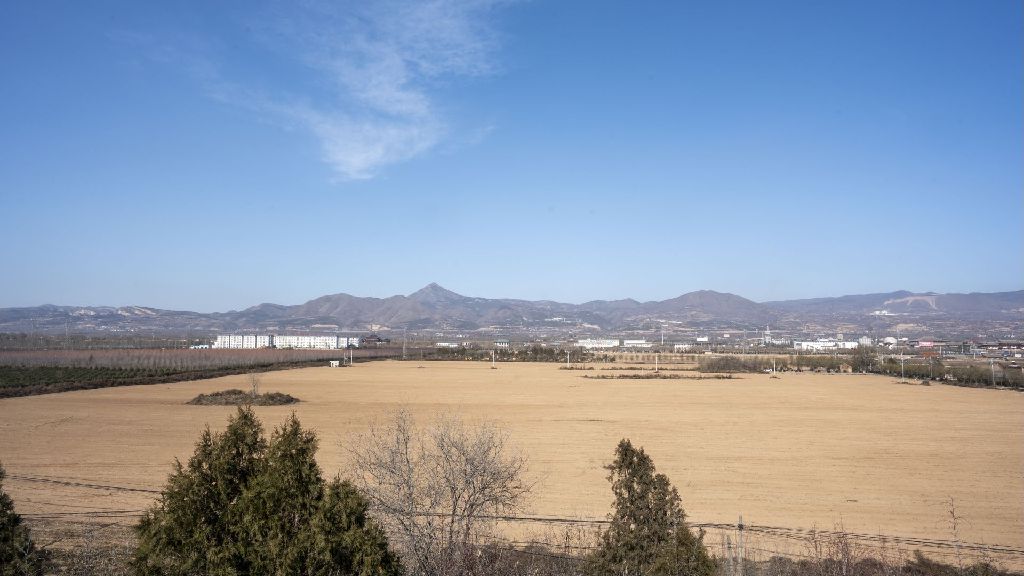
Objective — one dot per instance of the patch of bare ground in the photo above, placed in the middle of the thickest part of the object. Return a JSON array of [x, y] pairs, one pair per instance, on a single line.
[[236, 397]]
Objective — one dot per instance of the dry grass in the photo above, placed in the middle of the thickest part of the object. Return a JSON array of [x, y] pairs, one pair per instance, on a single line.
[[799, 450]]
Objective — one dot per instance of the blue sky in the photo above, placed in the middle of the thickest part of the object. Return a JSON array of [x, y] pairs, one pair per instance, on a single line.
[[214, 155]]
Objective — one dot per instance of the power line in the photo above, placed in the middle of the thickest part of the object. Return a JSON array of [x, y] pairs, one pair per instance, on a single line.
[[96, 514], [779, 531], [82, 484]]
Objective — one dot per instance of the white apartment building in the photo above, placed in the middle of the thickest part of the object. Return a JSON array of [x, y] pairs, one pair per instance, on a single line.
[[307, 342], [228, 341], [253, 341], [257, 341]]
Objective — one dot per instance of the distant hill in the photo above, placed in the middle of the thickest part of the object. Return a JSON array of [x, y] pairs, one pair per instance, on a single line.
[[976, 305], [436, 308]]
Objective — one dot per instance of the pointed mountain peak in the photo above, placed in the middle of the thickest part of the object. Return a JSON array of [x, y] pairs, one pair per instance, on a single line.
[[433, 293]]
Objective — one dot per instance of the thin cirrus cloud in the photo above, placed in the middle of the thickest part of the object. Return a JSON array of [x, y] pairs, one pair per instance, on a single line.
[[380, 62]]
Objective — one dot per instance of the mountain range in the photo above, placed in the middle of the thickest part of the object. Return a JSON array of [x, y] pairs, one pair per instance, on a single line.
[[438, 309]]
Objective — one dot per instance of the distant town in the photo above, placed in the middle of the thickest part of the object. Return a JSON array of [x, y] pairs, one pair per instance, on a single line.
[[724, 342]]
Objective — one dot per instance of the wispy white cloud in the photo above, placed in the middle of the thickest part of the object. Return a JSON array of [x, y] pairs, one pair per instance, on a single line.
[[357, 148], [366, 72], [380, 62]]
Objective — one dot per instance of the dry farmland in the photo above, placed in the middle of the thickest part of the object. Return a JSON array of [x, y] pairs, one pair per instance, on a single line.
[[801, 450]]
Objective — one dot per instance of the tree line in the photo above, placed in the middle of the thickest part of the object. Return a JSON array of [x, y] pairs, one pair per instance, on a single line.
[[24, 373], [867, 360]]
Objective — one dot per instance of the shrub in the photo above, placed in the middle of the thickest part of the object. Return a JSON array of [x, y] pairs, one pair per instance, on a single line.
[[243, 505], [235, 397], [18, 554], [648, 533], [437, 488]]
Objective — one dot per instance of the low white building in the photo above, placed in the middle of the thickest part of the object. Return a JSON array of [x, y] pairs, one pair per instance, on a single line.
[[824, 345], [681, 347], [594, 343], [637, 344], [447, 345]]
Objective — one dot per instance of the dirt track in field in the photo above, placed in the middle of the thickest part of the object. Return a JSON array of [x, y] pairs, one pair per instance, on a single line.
[[802, 450]]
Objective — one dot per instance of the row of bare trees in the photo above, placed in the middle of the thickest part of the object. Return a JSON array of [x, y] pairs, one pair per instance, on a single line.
[[176, 359]]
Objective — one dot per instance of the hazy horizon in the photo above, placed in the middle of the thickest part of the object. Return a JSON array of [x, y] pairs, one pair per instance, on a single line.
[[211, 157]]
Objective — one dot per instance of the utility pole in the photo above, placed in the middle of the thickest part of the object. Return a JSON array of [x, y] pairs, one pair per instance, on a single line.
[[492, 360], [731, 556], [992, 365], [404, 334], [740, 525], [567, 359]]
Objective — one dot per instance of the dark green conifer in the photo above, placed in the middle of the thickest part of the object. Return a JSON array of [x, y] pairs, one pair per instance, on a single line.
[[244, 506], [18, 554], [648, 533]]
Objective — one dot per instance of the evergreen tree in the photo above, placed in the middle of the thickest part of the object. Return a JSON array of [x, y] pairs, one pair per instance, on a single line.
[[18, 554], [648, 533], [244, 506], [195, 526]]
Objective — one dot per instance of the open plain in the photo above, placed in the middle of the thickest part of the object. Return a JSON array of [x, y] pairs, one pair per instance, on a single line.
[[800, 450]]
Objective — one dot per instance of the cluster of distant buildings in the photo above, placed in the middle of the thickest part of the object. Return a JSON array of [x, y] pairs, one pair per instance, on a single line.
[[821, 345], [309, 342]]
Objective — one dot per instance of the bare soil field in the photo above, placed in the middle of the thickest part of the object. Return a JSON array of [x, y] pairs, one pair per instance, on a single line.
[[800, 450]]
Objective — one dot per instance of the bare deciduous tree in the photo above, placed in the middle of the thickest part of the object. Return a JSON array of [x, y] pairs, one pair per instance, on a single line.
[[436, 488]]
